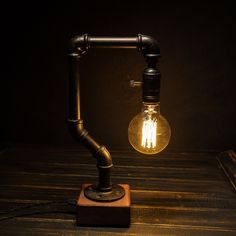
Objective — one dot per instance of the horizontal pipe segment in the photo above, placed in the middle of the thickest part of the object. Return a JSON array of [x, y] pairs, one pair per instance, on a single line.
[[148, 45]]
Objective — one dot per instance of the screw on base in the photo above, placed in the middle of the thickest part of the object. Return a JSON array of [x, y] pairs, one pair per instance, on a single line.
[[93, 193], [133, 83]]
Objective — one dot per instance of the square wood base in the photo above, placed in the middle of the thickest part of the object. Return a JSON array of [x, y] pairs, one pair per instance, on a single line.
[[113, 214]]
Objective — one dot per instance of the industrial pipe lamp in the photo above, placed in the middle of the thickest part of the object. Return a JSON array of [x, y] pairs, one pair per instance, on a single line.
[[105, 204]]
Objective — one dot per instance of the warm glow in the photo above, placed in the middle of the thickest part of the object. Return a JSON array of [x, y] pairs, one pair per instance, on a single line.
[[149, 133]]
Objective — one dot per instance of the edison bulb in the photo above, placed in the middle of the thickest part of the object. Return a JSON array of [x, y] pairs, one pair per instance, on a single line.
[[149, 132]]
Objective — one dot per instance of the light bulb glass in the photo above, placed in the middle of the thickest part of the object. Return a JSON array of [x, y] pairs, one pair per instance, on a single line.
[[149, 132]]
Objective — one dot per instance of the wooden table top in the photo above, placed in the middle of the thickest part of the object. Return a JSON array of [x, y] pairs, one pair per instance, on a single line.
[[171, 194]]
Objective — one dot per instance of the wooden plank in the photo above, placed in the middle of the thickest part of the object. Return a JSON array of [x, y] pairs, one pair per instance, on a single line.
[[123, 153], [41, 228], [170, 219], [161, 199], [135, 173], [179, 218], [68, 182], [63, 155]]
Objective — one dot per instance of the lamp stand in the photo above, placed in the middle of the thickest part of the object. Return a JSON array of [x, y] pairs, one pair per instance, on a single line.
[[105, 204]]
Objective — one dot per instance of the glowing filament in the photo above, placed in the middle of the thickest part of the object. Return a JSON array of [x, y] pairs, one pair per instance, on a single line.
[[149, 133]]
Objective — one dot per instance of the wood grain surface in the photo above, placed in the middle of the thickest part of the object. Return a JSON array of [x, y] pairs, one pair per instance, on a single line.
[[171, 193]]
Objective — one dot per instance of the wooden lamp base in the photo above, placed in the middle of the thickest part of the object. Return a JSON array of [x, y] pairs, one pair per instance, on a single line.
[[113, 214]]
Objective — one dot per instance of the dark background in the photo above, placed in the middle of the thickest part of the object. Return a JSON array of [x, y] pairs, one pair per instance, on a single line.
[[197, 42]]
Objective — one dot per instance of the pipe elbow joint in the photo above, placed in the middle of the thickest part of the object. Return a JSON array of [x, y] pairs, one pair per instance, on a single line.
[[104, 157], [76, 129], [78, 44], [149, 46]]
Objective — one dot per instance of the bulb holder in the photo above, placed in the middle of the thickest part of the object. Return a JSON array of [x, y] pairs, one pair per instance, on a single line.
[[151, 85]]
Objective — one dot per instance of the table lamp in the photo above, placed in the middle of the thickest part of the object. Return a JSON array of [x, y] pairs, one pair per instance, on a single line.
[[104, 203]]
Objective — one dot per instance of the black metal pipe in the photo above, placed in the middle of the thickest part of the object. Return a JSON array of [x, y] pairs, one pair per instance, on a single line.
[[75, 123], [151, 83], [74, 87], [144, 43], [112, 41]]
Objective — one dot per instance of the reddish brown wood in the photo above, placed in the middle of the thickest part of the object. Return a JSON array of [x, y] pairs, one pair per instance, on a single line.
[[92, 213]]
